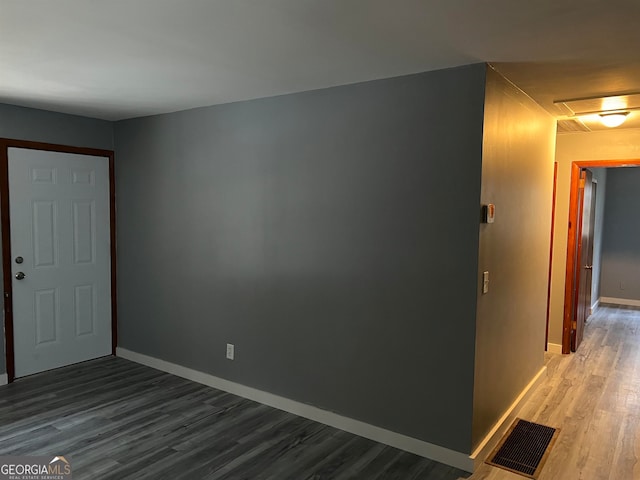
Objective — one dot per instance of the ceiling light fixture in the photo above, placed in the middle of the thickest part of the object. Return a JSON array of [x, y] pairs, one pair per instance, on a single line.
[[613, 119]]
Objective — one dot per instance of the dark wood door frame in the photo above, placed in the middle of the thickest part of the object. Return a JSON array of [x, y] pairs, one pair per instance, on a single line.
[[574, 207], [5, 144]]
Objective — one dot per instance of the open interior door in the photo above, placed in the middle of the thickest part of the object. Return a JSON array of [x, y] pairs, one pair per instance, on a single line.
[[61, 258], [584, 258]]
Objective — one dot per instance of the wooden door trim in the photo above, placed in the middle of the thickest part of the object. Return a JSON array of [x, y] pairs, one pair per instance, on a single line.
[[5, 144], [571, 237]]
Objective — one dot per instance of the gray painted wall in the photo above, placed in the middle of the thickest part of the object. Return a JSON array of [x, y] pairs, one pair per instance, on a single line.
[[599, 174], [49, 127], [331, 235], [517, 176], [620, 277]]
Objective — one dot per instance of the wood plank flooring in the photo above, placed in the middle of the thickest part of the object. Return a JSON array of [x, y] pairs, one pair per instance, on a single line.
[[119, 420], [594, 397]]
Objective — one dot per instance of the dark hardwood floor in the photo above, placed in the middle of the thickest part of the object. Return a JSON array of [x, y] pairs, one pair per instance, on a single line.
[[119, 420]]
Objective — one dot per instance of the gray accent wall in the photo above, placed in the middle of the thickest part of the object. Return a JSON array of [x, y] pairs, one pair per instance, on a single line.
[[517, 177], [22, 123], [620, 277], [600, 175], [331, 236]]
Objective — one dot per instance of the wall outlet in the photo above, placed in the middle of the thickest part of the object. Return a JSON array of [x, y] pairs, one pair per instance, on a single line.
[[231, 351], [621, 285]]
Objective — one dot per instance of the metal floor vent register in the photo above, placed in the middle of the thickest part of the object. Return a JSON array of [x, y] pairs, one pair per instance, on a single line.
[[524, 448]]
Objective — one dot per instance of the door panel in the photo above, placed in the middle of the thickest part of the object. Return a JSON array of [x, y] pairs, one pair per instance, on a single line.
[[588, 265], [83, 231], [59, 218], [582, 268], [45, 217], [85, 306], [46, 317]]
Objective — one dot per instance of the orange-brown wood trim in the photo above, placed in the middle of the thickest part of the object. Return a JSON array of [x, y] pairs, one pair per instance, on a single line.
[[553, 219], [571, 255], [5, 144], [571, 238]]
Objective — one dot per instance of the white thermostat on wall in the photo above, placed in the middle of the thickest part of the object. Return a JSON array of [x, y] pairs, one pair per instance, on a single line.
[[489, 213]]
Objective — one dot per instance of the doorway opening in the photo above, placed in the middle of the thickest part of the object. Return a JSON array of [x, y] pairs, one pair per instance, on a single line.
[[579, 248]]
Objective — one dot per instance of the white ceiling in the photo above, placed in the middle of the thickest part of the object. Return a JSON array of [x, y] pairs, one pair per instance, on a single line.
[[548, 82], [116, 59]]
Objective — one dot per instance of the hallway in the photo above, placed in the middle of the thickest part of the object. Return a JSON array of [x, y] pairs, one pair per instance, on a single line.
[[593, 396]]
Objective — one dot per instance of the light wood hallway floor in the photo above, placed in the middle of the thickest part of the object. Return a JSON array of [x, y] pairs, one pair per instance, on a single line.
[[118, 420], [594, 397]]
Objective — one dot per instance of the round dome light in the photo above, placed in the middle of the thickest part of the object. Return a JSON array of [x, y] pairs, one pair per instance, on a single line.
[[613, 119]]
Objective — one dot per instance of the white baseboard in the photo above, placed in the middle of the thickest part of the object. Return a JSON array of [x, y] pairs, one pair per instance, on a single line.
[[595, 305], [4, 379], [620, 301], [495, 434], [554, 348], [394, 439]]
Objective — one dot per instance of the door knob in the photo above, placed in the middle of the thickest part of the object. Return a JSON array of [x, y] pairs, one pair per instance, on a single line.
[[20, 275], [588, 267]]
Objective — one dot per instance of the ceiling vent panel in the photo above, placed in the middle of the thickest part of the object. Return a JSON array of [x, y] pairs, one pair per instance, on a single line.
[[572, 126], [585, 106]]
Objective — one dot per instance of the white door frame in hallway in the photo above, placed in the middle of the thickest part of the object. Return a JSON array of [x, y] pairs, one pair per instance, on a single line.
[[5, 145]]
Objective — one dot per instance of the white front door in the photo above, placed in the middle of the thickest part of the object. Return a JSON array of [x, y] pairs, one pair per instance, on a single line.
[[60, 258]]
